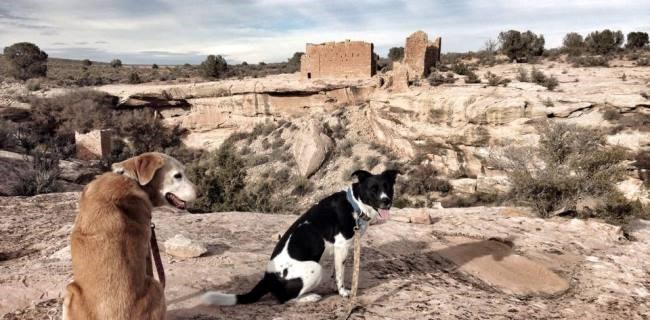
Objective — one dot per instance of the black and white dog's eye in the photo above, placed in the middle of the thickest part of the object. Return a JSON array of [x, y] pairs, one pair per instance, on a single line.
[[178, 176]]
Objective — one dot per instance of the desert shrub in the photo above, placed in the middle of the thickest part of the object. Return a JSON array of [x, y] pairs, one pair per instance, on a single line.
[[611, 115], [645, 95], [495, 80], [25, 60], [144, 132], [78, 110], [86, 63], [396, 53], [134, 78], [33, 84], [590, 61], [7, 131], [220, 175], [345, 148], [604, 42], [573, 44], [423, 179], [521, 46], [538, 77], [116, 63], [371, 162], [302, 186], [522, 75], [461, 69], [42, 174], [643, 62], [636, 40], [570, 162], [213, 67], [154, 66], [548, 102], [436, 78], [472, 78], [471, 200], [293, 63]]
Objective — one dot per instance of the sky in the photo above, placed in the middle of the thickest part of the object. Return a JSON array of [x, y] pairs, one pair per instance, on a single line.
[[185, 31]]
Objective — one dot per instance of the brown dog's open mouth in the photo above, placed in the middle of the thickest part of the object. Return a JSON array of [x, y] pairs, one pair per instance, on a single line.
[[175, 201]]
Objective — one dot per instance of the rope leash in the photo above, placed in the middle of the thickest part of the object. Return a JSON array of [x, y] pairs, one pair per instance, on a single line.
[[155, 252], [356, 264]]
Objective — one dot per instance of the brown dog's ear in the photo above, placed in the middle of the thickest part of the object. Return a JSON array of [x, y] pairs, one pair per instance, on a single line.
[[141, 168]]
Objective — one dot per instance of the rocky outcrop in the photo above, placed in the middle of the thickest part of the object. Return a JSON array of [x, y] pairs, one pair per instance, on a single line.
[[310, 148]]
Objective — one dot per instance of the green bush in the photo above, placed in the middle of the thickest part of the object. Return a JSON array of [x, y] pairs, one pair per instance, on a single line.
[[154, 66], [576, 163], [604, 42], [213, 67], [573, 44], [396, 53], [521, 46], [25, 60], [637, 40], [116, 63]]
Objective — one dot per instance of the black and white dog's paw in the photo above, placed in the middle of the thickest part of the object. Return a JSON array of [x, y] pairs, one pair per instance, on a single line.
[[343, 292]]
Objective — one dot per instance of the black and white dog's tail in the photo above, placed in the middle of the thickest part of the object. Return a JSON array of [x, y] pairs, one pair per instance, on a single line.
[[225, 299]]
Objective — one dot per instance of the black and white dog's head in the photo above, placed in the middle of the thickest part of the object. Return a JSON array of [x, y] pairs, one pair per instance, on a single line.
[[375, 192]]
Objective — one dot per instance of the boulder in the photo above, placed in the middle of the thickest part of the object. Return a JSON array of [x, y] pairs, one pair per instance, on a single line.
[[492, 184], [182, 247], [463, 185], [310, 148]]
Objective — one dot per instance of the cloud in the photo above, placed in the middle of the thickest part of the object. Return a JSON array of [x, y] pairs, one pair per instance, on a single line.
[[271, 30]]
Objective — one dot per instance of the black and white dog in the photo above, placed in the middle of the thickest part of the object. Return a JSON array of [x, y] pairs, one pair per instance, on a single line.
[[294, 269]]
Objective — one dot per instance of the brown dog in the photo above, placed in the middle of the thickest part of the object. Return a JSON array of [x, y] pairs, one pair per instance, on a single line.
[[110, 241]]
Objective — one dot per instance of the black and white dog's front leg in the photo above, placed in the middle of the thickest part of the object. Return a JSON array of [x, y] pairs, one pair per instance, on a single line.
[[341, 248]]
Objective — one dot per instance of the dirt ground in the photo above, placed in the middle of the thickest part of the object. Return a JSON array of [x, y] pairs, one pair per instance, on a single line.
[[471, 263]]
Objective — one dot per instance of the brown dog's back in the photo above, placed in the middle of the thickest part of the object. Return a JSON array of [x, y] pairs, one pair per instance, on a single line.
[[110, 254]]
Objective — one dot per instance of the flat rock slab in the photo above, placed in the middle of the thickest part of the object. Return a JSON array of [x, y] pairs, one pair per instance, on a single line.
[[496, 264]]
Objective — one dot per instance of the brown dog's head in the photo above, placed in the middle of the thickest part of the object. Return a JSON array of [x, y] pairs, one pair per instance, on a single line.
[[161, 176]]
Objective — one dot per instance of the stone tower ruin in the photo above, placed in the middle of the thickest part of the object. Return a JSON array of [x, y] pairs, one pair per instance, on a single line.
[[421, 54], [347, 59]]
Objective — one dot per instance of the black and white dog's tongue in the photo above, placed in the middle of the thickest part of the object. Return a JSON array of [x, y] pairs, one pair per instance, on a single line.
[[384, 214]]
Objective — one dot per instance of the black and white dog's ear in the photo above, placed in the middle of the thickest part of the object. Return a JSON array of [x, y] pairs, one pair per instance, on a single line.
[[392, 174], [361, 175]]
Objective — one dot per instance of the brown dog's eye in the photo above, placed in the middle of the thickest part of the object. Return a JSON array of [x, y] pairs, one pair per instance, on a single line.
[[178, 176]]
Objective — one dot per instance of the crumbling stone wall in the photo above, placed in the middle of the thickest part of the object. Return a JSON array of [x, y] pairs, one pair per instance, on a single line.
[[94, 145], [347, 59], [421, 54]]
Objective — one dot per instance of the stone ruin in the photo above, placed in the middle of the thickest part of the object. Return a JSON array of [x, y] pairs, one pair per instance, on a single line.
[[94, 145], [347, 59], [420, 54]]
